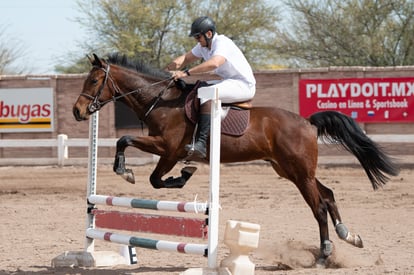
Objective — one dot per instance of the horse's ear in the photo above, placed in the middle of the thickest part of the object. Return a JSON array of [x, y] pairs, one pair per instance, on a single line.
[[95, 61], [90, 58]]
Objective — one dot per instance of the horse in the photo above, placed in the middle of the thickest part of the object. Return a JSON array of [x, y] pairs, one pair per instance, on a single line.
[[286, 140]]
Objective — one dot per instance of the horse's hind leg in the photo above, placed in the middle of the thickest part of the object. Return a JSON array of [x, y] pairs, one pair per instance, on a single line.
[[310, 193], [340, 228], [308, 187]]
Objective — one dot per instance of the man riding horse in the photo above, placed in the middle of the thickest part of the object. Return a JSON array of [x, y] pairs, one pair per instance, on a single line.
[[221, 55], [285, 140]]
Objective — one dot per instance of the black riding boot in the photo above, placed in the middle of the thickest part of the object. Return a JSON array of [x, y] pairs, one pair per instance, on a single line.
[[199, 149]]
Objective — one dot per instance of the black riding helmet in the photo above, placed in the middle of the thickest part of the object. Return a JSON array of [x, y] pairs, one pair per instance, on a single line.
[[202, 25]]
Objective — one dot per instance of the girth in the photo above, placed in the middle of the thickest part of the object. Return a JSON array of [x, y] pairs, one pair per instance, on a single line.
[[244, 105]]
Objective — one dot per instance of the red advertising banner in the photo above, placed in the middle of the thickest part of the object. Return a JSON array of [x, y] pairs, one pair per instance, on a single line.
[[364, 99]]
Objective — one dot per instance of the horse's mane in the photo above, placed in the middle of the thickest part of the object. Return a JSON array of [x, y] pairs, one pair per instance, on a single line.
[[137, 64]]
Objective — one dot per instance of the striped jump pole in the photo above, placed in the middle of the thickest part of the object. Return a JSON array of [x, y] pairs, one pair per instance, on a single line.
[[190, 207], [198, 249]]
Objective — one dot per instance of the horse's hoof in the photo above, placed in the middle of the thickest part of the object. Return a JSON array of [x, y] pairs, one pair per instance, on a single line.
[[350, 238], [321, 263], [358, 241], [175, 182], [128, 175]]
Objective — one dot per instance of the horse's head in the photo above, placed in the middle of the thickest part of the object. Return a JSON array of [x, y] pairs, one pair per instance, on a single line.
[[95, 92], [136, 84]]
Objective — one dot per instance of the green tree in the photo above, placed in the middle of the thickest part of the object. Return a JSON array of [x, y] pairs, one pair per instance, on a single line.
[[349, 33], [157, 30], [132, 27]]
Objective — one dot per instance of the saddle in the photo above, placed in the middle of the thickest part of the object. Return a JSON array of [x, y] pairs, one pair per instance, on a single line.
[[237, 115]]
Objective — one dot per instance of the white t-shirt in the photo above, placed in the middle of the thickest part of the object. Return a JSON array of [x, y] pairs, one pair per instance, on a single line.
[[236, 65]]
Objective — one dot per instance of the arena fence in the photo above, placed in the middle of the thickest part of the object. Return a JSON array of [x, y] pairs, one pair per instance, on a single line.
[[63, 143]]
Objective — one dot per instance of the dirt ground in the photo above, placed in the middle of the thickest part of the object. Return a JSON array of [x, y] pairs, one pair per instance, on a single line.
[[43, 213]]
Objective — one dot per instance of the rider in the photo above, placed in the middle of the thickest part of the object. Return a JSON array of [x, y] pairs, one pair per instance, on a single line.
[[222, 56]]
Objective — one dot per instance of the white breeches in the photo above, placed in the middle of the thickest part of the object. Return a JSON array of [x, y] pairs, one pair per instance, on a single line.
[[231, 90]]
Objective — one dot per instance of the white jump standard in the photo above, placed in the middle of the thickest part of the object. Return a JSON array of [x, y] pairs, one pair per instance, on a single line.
[[246, 234]]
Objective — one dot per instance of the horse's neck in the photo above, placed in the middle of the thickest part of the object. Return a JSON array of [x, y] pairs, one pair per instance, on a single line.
[[142, 94], [161, 108]]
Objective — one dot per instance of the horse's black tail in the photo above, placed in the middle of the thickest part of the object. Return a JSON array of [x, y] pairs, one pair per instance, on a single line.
[[340, 129]]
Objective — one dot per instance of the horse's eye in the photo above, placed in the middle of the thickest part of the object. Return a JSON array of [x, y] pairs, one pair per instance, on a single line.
[[94, 81]]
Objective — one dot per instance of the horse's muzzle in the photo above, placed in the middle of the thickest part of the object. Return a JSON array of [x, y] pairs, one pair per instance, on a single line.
[[77, 114]]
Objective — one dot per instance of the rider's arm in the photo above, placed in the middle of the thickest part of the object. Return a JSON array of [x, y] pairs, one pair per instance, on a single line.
[[182, 61], [205, 67], [209, 65]]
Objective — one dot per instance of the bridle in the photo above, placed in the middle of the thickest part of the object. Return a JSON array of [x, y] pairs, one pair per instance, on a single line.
[[96, 105]]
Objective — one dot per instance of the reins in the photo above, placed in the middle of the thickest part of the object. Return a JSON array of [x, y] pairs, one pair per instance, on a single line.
[[96, 105], [157, 99]]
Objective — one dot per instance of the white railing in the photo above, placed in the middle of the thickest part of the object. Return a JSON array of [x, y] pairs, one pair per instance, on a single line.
[[62, 142], [388, 139]]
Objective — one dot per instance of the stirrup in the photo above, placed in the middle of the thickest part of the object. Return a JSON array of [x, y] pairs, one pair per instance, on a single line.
[[190, 148], [191, 151]]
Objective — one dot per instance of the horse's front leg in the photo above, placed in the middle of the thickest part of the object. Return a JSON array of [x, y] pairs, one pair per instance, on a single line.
[[154, 145], [147, 144], [164, 166]]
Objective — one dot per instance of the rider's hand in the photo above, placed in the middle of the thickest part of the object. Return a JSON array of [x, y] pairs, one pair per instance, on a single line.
[[179, 74]]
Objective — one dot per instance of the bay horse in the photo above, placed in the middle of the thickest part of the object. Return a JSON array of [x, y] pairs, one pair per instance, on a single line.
[[284, 139]]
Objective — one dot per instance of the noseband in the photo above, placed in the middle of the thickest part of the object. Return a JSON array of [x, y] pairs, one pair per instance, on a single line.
[[96, 105]]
